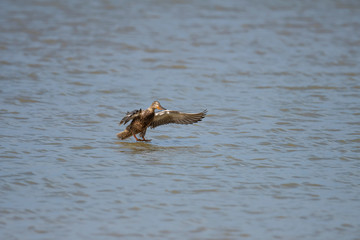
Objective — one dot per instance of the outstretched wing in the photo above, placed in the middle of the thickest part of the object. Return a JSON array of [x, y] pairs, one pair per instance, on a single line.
[[130, 116], [168, 116]]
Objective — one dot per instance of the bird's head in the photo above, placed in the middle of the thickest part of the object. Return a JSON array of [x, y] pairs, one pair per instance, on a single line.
[[157, 105]]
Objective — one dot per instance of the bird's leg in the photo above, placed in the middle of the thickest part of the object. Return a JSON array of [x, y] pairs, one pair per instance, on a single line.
[[146, 140], [143, 139], [142, 135]]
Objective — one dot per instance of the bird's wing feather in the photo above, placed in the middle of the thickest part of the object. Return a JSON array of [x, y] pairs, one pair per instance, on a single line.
[[129, 116], [169, 116]]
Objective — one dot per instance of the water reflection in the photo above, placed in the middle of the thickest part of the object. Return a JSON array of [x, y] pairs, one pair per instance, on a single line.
[[148, 147]]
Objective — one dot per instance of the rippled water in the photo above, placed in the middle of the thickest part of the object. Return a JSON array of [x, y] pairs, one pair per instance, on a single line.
[[277, 156]]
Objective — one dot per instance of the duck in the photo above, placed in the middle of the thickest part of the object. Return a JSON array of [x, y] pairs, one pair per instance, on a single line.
[[142, 119]]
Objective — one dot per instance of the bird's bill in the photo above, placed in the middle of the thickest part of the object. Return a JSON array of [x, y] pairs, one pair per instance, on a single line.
[[159, 107]]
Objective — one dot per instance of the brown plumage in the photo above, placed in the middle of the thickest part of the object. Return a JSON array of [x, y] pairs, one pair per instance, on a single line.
[[142, 119]]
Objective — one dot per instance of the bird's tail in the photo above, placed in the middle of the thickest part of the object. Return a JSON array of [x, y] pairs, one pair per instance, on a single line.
[[124, 134]]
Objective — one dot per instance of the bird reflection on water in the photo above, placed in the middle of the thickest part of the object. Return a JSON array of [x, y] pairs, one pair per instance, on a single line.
[[146, 147]]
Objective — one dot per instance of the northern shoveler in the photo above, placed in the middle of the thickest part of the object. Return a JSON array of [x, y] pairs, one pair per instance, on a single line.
[[142, 119]]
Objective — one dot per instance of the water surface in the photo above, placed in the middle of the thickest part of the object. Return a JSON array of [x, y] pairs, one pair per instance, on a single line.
[[277, 156]]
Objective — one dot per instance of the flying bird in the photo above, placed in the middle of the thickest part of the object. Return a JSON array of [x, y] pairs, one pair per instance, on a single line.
[[142, 119]]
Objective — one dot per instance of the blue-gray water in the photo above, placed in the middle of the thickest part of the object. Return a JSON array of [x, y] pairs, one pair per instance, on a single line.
[[277, 156]]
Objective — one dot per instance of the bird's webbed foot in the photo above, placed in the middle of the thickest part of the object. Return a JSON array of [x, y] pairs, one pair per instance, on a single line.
[[145, 140], [142, 140]]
